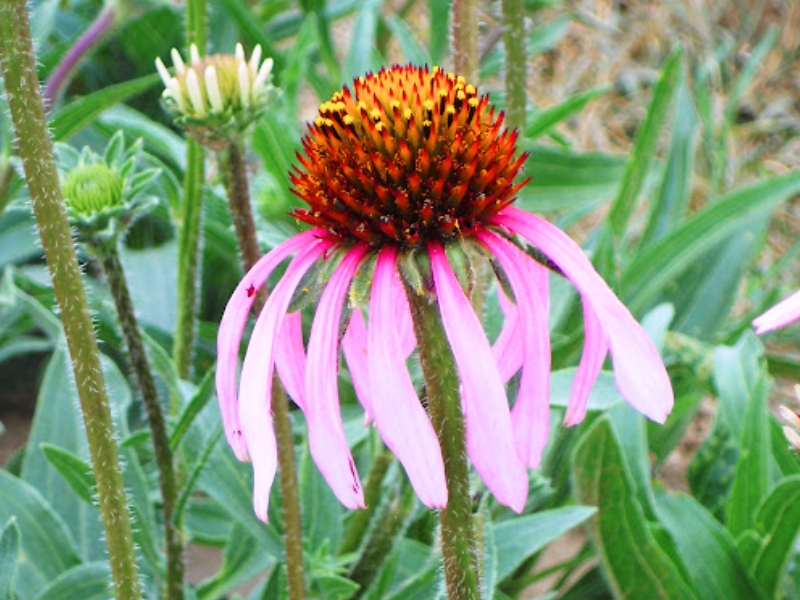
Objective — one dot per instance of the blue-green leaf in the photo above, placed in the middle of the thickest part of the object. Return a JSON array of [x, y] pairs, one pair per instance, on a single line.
[[88, 581], [518, 538], [9, 557], [47, 548]]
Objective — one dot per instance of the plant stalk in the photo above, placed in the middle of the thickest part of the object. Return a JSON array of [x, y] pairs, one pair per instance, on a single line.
[[516, 76], [465, 39], [234, 169], [112, 266], [33, 138], [190, 223], [98, 31], [359, 522], [191, 220], [444, 406]]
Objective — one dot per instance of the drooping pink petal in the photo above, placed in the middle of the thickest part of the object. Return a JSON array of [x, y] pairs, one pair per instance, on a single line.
[[404, 324], [530, 416], [781, 314], [290, 358], [594, 354], [354, 347], [257, 370], [325, 430], [507, 348], [490, 442], [638, 370], [232, 326], [399, 416]]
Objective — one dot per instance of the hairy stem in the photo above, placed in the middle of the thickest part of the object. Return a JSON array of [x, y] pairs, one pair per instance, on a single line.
[[191, 220], [465, 38], [155, 418], [516, 78], [444, 406], [35, 148], [100, 28], [234, 169]]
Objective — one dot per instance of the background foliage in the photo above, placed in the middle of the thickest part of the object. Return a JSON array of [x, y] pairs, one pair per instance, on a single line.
[[663, 135]]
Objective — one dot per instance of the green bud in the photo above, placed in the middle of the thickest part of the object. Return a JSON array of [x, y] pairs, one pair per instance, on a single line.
[[92, 189]]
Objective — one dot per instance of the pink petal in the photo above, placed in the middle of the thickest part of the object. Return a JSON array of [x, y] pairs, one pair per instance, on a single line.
[[530, 416], [638, 369], [354, 347], [290, 358], [594, 354], [507, 349], [781, 314], [404, 324], [403, 423], [232, 326], [490, 442], [325, 430], [257, 370]]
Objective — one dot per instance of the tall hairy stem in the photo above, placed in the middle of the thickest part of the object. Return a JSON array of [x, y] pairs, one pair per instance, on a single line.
[[444, 406], [35, 148], [234, 170], [155, 418]]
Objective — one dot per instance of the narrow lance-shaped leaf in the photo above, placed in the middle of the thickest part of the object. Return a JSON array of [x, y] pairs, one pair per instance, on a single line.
[[635, 565]]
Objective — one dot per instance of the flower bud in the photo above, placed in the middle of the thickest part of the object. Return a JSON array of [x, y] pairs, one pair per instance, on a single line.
[[217, 97]]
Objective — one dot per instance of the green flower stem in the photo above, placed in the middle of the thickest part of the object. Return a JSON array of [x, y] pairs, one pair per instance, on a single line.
[[516, 77], [196, 24], [191, 220], [155, 417], [234, 169], [35, 148], [465, 39], [360, 520], [444, 406], [190, 223], [384, 537], [292, 525]]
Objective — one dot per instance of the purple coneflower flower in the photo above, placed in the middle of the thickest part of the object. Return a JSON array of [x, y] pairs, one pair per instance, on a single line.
[[413, 165], [784, 312]]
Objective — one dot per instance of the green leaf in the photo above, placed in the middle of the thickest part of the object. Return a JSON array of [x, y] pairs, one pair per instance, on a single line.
[[9, 557], [777, 523], [518, 538], [241, 562], [77, 114], [645, 145], [657, 266], [18, 240], [75, 471], [47, 548], [634, 564], [362, 55], [412, 50], [708, 551], [542, 121], [195, 406], [604, 394], [564, 180], [88, 581], [752, 471], [673, 195], [158, 139], [58, 422], [439, 29]]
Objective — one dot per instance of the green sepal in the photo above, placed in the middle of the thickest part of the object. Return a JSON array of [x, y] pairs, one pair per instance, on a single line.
[[361, 287], [310, 288]]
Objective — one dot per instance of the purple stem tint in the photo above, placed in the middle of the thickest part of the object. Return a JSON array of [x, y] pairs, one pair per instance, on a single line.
[[98, 30]]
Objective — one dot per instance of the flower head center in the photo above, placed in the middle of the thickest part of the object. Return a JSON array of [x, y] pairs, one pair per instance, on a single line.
[[408, 156]]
